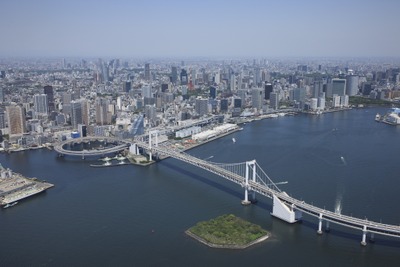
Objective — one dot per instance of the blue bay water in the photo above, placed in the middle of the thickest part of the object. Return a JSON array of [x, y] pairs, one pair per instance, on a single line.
[[136, 216]]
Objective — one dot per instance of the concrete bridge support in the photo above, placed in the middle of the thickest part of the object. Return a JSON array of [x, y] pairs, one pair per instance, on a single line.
[[320, 224], [246, 185], [151, 133], [364, 236], [285, 212]]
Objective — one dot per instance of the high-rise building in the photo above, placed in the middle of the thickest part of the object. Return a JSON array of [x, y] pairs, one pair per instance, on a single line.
[[150, 113], [256, 77], [2, 119], [237, 103], [174, 75], [317, 89], [184, 77], [256, 98], [101, 111], [66, 103], [351, 85], [40, 103], [164, 87], [127, 86], [224, 105], [1, 94], [201, 106], [366, 88], [268, 90], [233, 83], [274, 100], [48, 90], [147, 76], [213, 92], [16, 120], [146, 91], [82, 129], [76, 114], [338, 87], [299, 94]]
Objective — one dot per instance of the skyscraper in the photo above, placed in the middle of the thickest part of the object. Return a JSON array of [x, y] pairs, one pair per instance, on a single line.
[[274, 100], [147, 71], [201, 106], [351, 85], [48, 90], [317, 89], [1, 94], [174, 75], [76, 114], [40, 103], [338, 87], [224, 105], [268, 90], [213, 92], [16, 120], [101, 112], [256, 98], [184, 77]]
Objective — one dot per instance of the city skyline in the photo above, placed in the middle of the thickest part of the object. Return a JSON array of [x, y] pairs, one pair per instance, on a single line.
[[200, 29]]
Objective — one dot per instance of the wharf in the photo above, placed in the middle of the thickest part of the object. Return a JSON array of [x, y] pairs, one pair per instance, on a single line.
[[14, 187]]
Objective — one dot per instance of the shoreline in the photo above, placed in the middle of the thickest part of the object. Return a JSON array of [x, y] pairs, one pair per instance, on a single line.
[[212, 245]]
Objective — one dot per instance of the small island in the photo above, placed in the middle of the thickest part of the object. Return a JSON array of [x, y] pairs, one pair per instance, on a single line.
[[228, 231]]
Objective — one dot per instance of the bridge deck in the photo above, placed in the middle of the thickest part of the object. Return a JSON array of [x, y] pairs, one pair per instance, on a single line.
[[348, 221]]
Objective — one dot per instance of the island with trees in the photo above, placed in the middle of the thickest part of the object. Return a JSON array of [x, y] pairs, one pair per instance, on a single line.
[[228, 231]]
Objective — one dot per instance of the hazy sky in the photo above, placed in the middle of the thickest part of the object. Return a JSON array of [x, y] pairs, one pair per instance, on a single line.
[[175, 28]]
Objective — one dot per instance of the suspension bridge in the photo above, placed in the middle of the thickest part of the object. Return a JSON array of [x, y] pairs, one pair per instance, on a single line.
[[253, 179]]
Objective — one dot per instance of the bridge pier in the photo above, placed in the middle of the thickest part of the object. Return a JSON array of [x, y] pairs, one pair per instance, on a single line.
[[250, 165], [364, 236], [327, 228], [320, 224], [372, 238], [285, 212]]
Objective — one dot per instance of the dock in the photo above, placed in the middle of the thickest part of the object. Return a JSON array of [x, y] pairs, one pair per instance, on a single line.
[[14, 186]]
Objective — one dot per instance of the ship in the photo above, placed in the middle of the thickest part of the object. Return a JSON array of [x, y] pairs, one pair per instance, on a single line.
[[10, 205]]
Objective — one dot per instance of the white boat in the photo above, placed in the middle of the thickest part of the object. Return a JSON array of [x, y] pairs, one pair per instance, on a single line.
[[10, 204], [234, 140], [378, 117]]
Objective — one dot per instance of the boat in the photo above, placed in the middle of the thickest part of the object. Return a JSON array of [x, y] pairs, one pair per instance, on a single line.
[[378, 117], [233, 140], [10, 204]]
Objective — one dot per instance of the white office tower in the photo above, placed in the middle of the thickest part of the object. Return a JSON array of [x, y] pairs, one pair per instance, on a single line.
[[233, 83], [321, 103], [313, 103], [119, 103], [352, 85], [336, 101], [40, 103], [217, 78], [344, 101], [240, 81]]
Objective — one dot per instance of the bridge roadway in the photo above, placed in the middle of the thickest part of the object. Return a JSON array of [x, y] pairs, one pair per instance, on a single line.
[[344, 220], [59, 148]]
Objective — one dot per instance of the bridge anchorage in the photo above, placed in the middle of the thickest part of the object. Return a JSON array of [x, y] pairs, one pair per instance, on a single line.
[[250, 176]]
